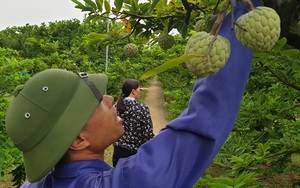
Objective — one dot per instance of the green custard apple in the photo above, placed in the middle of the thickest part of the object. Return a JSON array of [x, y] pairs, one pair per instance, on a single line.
[[213, 52], [165, 41], [131, 50], [200, 26], [209, 21], [295, 159], [258, 29]]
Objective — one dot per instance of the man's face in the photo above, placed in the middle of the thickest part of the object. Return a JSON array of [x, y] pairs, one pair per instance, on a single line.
[[104, 127]]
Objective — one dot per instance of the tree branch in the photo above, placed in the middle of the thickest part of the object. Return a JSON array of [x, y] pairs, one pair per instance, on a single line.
[[188, 9], [151, 17], [215, 28], [248, 4]]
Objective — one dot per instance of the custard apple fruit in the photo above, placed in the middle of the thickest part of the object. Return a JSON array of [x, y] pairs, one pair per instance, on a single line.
[[214, 52], [210, 20], [258, 29], [295, 159], [200, 26], [165, 41], [131, 50]]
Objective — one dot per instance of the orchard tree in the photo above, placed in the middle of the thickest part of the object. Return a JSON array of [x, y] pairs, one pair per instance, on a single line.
[[152, 19], [147, 18]]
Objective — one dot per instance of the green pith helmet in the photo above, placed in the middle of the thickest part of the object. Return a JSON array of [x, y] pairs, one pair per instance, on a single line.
[[47, 114]]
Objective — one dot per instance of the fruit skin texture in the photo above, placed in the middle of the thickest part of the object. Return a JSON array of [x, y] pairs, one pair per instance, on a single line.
[[258, 29], [200, 26], [165, 41], [213, 57], [295, 159], [131, 50]]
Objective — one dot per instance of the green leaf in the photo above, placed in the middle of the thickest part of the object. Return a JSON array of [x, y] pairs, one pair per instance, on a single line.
[[167, 65], [99, 5], [217, 184], [261, 55], [279, 44], [245, 178], [153, 5], [91, 4], [236, 159], [98, 35], [294, 53], [134, 5], [79, 5], [96, 18], [92, 42], [107, 6], [88, 9], [118, 4], [90, 17]]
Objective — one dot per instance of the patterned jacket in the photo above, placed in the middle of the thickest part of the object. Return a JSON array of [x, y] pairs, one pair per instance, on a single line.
[[138, 126]]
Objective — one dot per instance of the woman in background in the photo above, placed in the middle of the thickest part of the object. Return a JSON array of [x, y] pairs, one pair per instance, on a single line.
[[137, 121]]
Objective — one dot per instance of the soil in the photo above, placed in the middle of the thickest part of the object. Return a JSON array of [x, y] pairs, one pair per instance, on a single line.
[[155, 101]]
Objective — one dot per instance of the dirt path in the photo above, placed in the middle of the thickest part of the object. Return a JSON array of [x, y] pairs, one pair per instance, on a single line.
[[155, 102]]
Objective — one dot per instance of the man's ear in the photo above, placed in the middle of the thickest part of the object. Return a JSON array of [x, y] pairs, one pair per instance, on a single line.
[[80, 143]]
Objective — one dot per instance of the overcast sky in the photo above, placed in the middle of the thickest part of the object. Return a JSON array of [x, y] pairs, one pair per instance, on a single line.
[[21, 12]]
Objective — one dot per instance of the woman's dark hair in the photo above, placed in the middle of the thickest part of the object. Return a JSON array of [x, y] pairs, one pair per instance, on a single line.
[[127, 86]]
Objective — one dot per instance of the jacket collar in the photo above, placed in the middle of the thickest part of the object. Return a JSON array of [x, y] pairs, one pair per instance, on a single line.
[[76, 168]]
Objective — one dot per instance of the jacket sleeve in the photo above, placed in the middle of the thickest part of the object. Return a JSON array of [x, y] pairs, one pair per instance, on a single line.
[[180, 153]]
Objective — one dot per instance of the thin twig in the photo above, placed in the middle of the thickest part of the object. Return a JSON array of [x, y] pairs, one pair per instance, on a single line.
[[221, 16], [248, 4], [232, 15], [216, 7]]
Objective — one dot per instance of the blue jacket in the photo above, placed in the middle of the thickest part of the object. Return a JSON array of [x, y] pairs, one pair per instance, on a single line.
[[180, 153]]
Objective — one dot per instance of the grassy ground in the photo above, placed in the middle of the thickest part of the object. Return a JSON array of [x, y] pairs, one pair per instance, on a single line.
[[6, 182]]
